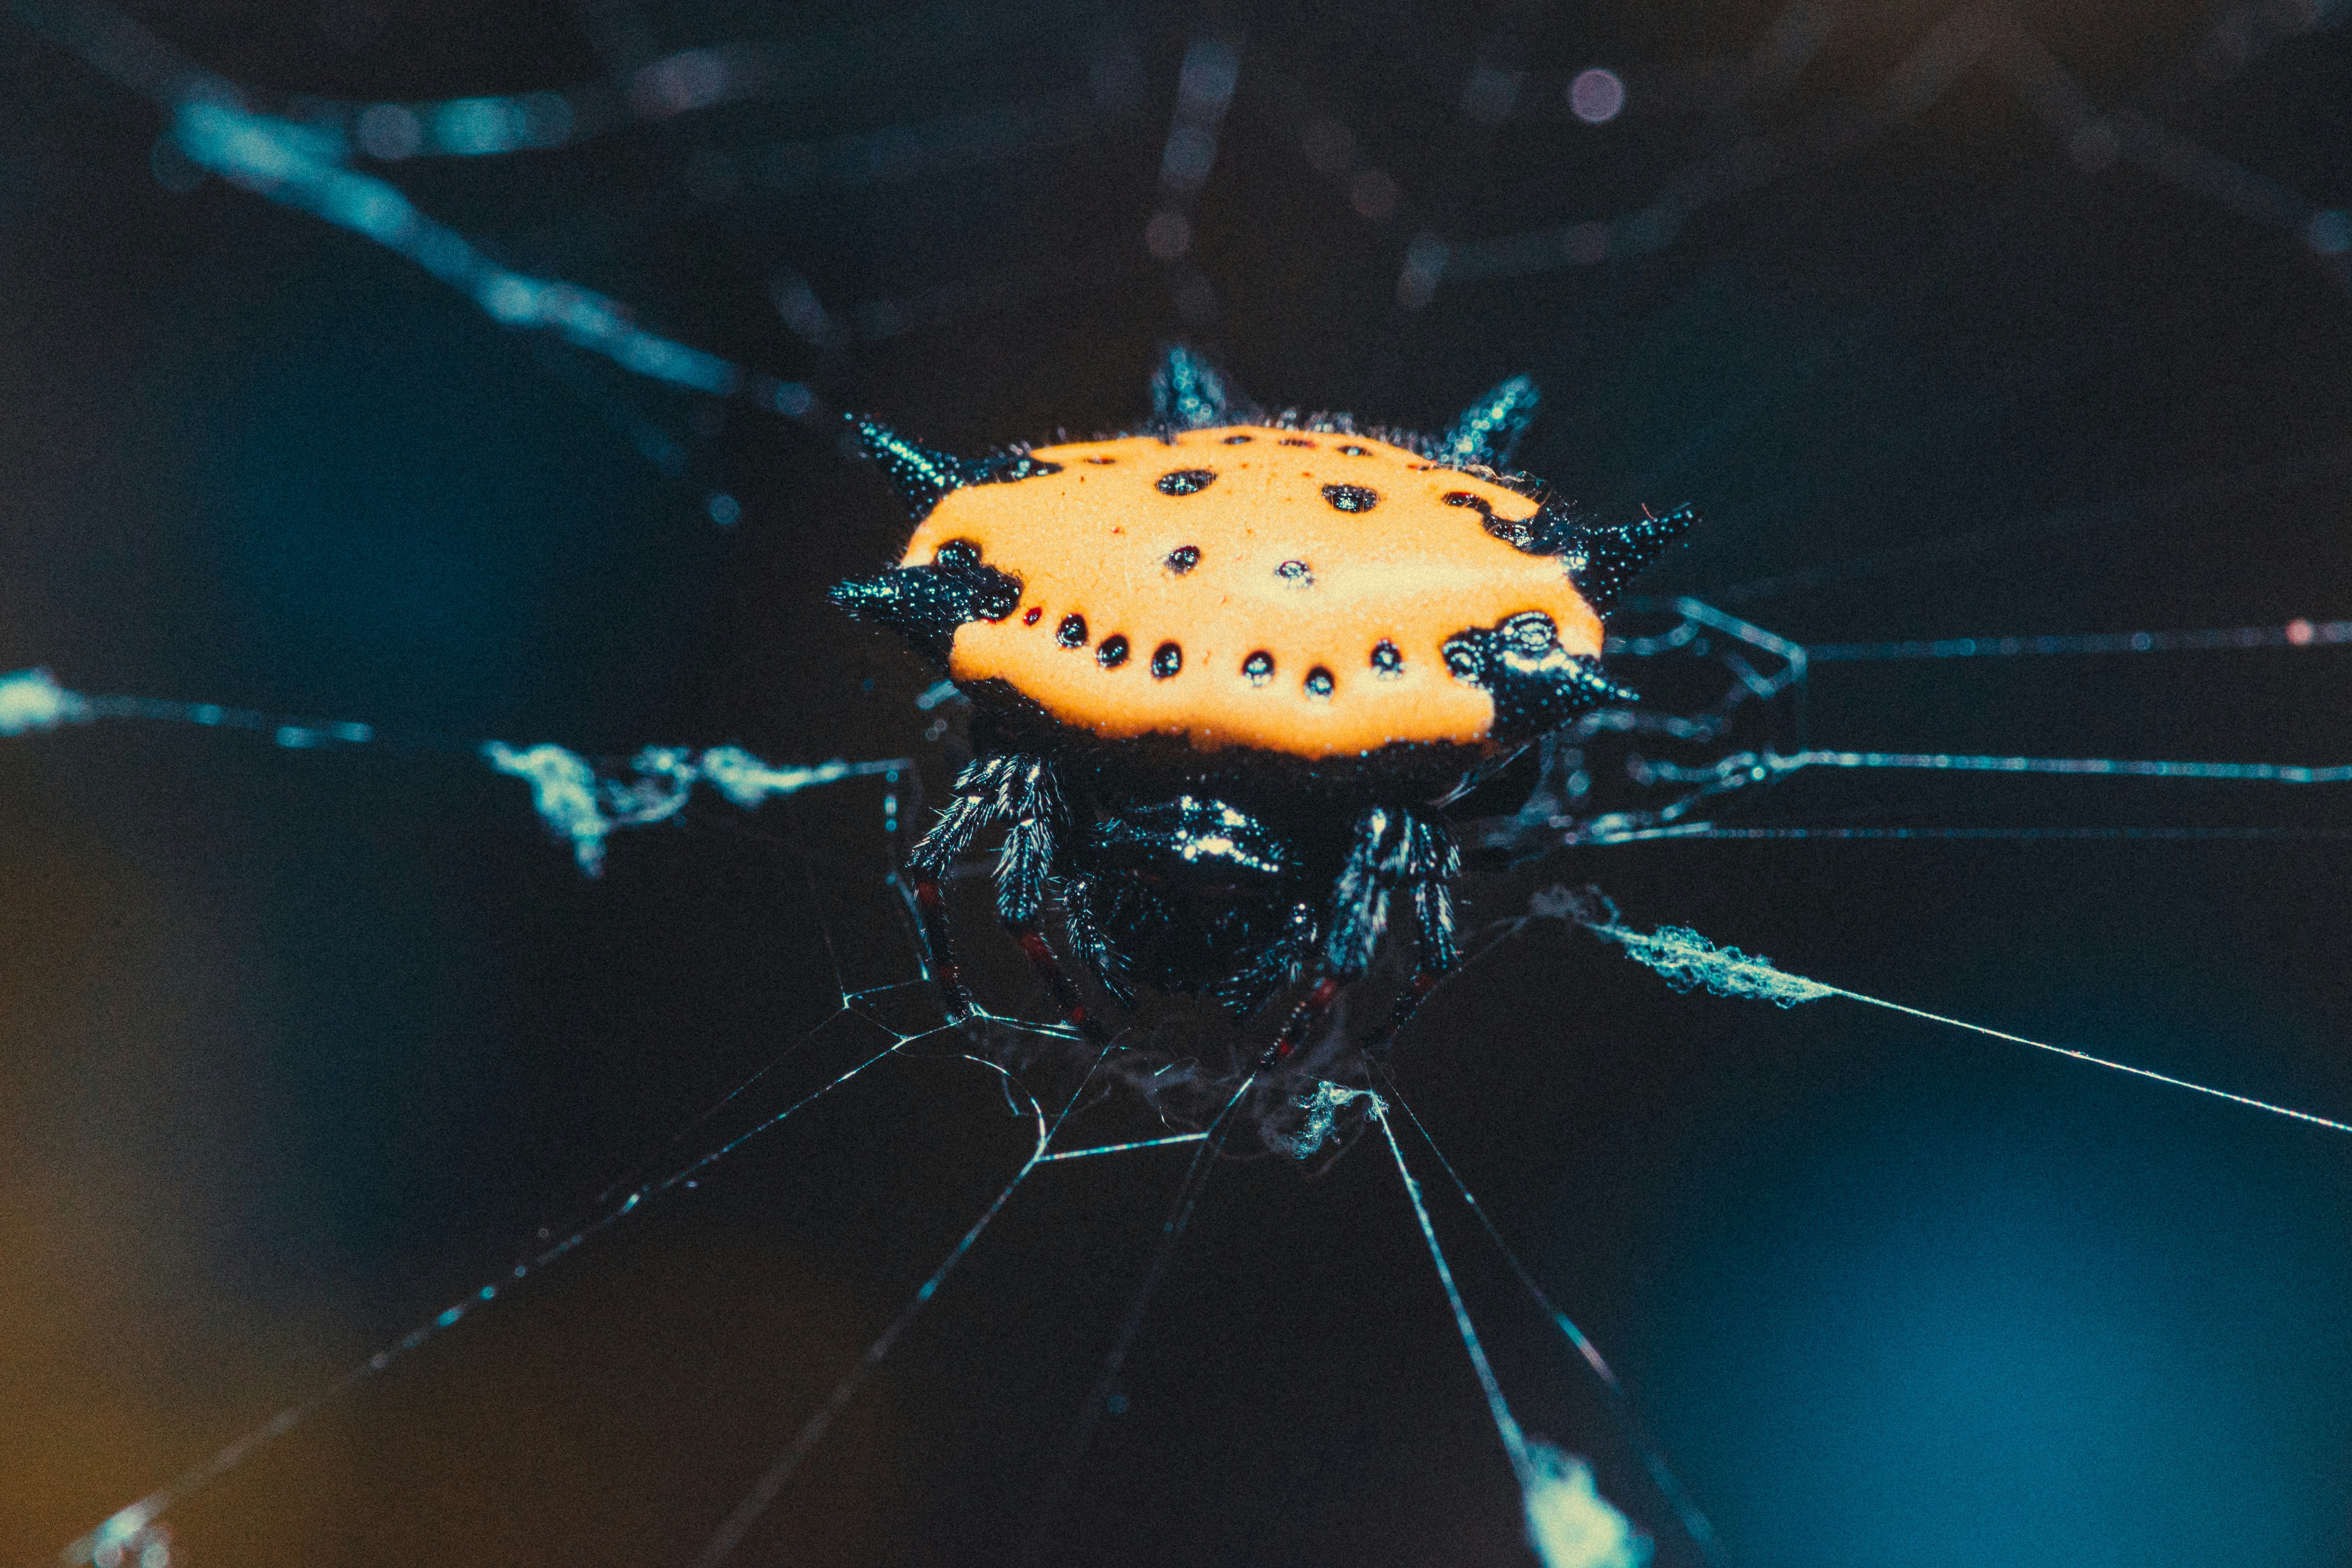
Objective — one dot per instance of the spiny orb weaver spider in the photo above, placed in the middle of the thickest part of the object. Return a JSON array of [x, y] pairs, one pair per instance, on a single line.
[[1227, 674]]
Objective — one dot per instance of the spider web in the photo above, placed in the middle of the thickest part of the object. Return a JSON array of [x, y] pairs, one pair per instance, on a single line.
[[784, 971]]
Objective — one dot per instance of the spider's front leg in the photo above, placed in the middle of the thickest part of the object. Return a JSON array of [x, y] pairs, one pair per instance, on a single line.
[[1025, 791], [978, 800], [1436, 952], [1393, 850]]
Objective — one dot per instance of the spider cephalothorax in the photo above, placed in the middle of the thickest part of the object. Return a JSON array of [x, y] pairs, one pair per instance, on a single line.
[[1224, 671]]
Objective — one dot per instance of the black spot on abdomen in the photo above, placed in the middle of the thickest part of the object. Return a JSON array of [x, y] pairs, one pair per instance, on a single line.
[[1519, 533]]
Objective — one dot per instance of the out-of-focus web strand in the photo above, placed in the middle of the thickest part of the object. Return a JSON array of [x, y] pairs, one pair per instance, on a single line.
[[299, 167], [1204, 93], [1293, 111], [652, 91], [1954, 45], [1771, 69], [1948, 48], [2093, 140], [896, 153], [2139, 507], [298, 160]]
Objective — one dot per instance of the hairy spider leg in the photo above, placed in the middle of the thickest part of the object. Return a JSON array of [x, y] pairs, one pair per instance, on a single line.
[[1093, 944], [1436, 952], [1393, 849], [932, 915], [1031, 935], [982, 794], [1024, 790], [1025, 880]]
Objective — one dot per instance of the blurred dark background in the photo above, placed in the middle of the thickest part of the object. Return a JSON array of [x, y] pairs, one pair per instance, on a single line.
[[297, 1047]]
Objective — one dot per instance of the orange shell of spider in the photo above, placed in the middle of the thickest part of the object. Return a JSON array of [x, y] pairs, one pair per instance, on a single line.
[[1282, 572]]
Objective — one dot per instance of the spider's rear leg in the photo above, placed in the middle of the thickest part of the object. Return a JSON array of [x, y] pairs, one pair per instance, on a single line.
[[978, 800], [1026, 790], [1031, 935], [1393, 850], [1437, 953], [1025, 880], [1092, 943]]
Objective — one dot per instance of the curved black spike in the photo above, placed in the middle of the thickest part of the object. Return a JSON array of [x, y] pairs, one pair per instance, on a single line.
[[1603, 559], [922, 475], [1488, 431], [1188, 392], [919, 474], [1535, 682], [926, 603]]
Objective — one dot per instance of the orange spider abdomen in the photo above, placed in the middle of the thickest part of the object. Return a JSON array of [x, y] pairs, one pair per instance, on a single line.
[[1249, 586]]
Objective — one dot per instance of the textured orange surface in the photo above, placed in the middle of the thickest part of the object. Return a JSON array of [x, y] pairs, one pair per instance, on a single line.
[[1093, 541]]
